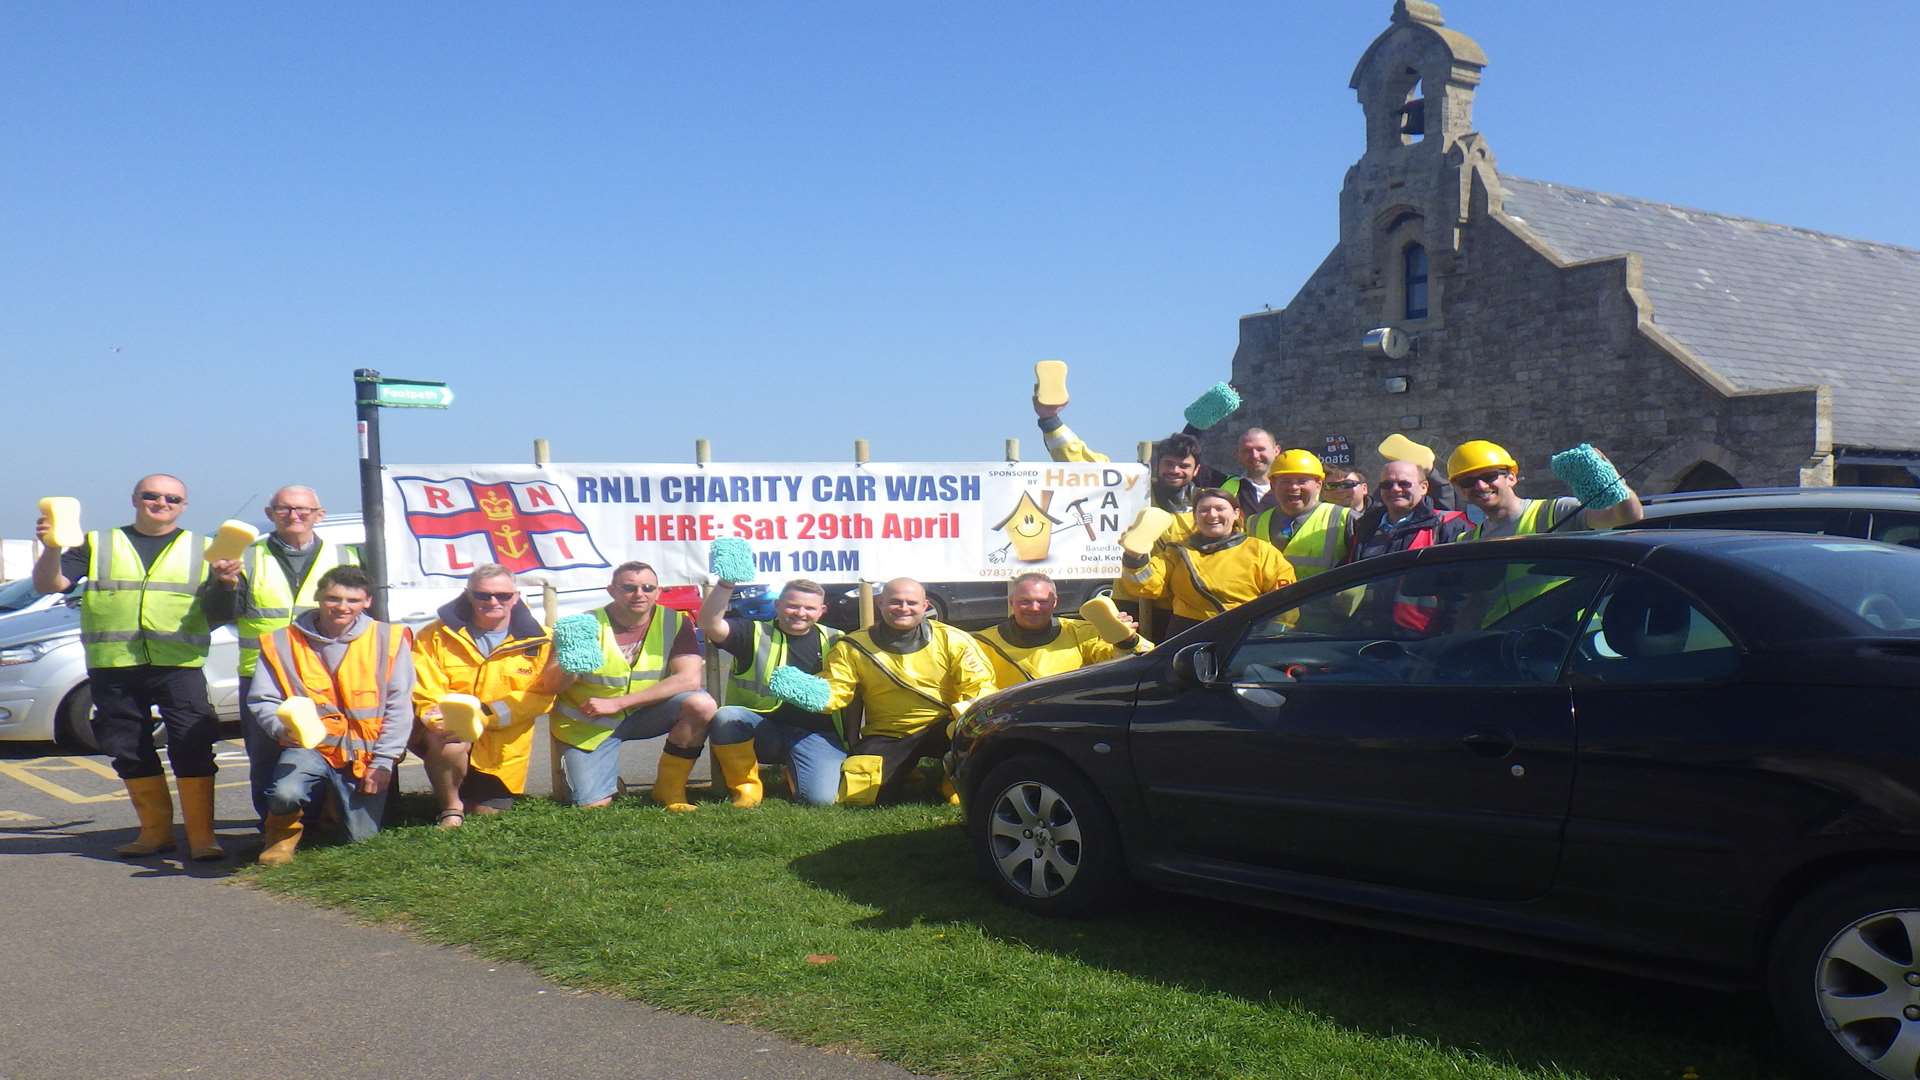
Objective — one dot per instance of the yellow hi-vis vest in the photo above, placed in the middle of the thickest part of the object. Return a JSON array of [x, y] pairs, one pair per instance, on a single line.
[[613, 678], [271, 595], [1536, 518], [748, 689], [1317, 545], [132, 615]]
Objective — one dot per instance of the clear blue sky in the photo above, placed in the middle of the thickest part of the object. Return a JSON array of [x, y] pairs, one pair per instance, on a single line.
[[780, 226]]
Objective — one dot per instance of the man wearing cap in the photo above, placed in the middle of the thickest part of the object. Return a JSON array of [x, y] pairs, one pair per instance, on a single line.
[[1315, 536], [1486, 477]]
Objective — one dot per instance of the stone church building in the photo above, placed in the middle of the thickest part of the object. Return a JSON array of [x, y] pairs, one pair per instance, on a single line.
[[1722, 351]]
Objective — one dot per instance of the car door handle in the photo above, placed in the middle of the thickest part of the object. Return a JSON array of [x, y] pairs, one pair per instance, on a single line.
[[1261, 697], [1491, 744]]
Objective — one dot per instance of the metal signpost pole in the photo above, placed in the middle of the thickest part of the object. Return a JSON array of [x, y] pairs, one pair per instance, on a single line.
[[373, 512]]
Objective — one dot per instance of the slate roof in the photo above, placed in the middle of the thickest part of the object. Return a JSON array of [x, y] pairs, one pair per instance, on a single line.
[[1766, 306]]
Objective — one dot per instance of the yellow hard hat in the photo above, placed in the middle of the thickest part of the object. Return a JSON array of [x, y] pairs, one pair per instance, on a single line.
[[1477, 454], [1298, 463]]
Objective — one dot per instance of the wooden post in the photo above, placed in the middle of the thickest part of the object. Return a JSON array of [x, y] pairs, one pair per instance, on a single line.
[[1146, 455], [558, 788], [866, 587], [717, 662], [1013, 450]]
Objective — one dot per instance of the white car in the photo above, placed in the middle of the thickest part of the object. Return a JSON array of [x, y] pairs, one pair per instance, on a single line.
[[19, 598]]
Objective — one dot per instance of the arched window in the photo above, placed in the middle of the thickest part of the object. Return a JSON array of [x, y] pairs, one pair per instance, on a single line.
[[1706, 476], [1415, 262]]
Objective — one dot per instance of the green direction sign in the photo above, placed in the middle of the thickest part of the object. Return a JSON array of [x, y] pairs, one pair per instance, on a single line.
[[412, 395]]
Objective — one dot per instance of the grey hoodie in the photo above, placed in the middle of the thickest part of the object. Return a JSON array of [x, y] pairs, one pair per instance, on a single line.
[[266, 695]]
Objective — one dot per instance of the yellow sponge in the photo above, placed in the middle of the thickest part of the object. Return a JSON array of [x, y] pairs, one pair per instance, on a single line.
[[463, 717], [1050, 382], [302, 718], [63, 520], [1145, 530], [1101, 613], [1397, 447], [232, 540]]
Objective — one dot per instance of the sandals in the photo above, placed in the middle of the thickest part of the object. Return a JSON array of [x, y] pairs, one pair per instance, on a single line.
[[458, 819]]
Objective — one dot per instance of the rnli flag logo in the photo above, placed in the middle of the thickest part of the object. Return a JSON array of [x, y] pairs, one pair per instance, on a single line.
[[460, 524]]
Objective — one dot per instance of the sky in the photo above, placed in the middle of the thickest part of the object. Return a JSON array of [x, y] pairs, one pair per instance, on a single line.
[[780, 227]]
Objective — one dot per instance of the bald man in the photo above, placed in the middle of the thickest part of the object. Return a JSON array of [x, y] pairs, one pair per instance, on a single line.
[[143, 625], [269, 586], [908, 673]]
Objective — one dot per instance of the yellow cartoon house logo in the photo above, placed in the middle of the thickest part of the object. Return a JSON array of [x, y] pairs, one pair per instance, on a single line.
[[1029, 527]]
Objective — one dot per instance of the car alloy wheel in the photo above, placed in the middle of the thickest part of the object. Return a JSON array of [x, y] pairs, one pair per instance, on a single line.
[[1036, 839], [1845, 976], [1044, 836]]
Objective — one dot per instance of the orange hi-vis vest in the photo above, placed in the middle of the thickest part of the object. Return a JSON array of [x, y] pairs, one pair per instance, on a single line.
[[352, 700]]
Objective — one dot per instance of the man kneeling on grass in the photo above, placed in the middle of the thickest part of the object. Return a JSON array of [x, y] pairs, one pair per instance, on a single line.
[[347, 684], [910, 675]]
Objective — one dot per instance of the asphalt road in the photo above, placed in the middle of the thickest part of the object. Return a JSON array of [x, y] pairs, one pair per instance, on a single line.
[[158, 968]]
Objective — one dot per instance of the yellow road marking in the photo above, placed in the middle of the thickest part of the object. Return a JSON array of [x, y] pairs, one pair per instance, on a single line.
[[15, 815]]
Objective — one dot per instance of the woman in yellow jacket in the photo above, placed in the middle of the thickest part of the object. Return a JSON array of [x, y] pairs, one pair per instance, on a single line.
[[485, 644], [1215, 569]]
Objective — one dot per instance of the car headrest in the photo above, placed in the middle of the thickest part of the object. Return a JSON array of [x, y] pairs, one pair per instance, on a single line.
[[1644, 619]]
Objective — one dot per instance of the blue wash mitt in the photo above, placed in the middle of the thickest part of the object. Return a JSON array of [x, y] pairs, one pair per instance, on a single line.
[[1594, 480], [796, 687], [1215, 405], [731, 560], [576, 643]]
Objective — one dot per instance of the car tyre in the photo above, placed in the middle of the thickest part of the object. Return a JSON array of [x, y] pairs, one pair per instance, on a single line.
[[1045, 838], [73, 724], [1844, 976]]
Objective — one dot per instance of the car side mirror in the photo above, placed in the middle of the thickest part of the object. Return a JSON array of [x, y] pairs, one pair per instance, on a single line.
[[1194, 666]]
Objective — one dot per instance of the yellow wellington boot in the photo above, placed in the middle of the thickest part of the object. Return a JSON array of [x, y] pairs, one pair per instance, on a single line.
[[281, 837], [951, 793], [670, 783], [196, 807], [742, 769], [154, 804]]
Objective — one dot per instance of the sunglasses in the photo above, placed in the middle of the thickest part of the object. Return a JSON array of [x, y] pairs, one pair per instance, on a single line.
[[155, 496], [1344, 485], [496, 597], [629, 590], [1489, 479], [1408, 484]]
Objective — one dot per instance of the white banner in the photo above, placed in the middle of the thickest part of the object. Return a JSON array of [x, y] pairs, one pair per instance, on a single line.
[[834, 523]]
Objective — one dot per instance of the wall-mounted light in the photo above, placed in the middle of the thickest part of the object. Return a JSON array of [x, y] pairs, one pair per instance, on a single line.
[[1387, 341], [1395, 384]]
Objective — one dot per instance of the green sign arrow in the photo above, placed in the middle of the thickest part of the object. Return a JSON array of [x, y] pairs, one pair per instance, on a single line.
[[412, 395]]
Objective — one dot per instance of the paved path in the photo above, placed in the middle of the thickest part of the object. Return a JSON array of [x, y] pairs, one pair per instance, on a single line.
[[152, 968]]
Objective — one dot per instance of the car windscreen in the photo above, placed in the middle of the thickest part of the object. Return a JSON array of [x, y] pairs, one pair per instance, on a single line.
[[15, 595], [1872, 588]]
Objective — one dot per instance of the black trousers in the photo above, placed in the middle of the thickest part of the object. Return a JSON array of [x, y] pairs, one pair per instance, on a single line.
[[123, 704], [900, 755]]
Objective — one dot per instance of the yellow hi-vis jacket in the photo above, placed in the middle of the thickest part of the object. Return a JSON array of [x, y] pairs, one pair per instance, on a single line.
[[1235, 573], [614, 678], [1319, 542], [949, 669], [1075, 645], [446, 661], [133, 615], [271, 600]]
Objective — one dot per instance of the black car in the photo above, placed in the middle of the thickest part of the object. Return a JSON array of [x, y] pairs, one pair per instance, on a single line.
[[1688, 753]]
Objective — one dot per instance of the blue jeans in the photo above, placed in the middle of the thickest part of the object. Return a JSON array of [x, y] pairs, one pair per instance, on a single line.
[[813, 756], [594, 774], [302, 779]]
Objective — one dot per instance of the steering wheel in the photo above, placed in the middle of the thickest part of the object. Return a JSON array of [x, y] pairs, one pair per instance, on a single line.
[[1521, 650], [1881, 610]]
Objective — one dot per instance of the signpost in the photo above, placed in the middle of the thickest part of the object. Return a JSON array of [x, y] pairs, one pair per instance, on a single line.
[[371, 393]]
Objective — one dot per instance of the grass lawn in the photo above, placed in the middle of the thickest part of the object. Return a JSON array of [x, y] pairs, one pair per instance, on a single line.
[[867, 930]]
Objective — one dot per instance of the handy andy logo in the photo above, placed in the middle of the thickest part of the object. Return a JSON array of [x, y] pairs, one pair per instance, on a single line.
[[460, 524]]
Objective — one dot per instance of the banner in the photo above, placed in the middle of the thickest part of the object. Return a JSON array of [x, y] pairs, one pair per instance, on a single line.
[[834, 523]]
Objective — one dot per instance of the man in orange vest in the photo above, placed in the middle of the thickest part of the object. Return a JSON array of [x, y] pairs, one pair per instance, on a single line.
[[359, 675]]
